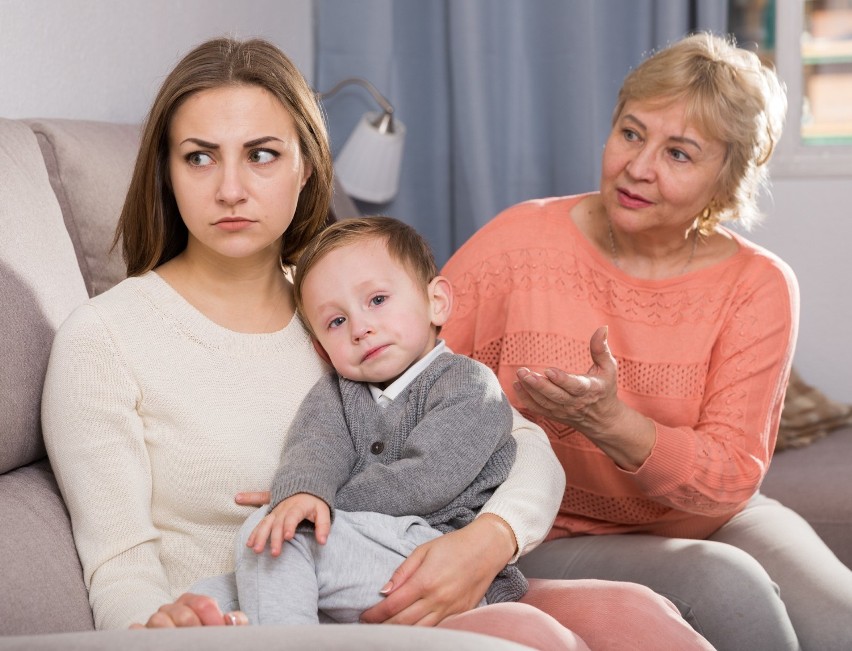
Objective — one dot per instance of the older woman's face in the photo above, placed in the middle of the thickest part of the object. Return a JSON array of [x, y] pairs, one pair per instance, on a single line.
[[236, 169], [659, 172]]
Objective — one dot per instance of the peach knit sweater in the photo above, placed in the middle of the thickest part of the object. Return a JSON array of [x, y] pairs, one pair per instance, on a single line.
[[706, 355]]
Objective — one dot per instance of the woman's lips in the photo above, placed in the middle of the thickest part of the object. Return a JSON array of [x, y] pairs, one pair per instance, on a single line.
[[233, 223], [630, 200]]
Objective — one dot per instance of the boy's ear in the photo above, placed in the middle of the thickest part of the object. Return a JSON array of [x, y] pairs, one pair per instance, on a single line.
[[440, 293], [321, 351]]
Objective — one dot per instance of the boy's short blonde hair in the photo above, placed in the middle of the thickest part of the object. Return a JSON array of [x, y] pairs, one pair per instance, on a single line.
[[404, 244]]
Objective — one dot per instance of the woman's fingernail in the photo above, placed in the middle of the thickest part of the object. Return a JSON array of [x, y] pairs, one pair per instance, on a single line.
[[230, 619], [387, 587]]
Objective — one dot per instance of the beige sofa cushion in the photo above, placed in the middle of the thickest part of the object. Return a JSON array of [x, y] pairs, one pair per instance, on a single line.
[[40, 284], [89, 165]]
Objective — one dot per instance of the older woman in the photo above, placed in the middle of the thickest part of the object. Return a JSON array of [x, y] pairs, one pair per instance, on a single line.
[[666, 426]]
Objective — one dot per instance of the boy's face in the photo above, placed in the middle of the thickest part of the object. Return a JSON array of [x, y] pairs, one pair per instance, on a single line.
[[372, 318]]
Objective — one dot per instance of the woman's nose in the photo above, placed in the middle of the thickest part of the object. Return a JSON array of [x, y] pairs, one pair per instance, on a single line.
[[232, 189], [642, 165]]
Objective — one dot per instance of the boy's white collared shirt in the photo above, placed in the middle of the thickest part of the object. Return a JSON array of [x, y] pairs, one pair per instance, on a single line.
[[387, 396]]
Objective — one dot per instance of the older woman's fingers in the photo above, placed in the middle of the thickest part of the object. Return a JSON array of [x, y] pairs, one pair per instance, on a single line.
[[554, 389], [574, 385]]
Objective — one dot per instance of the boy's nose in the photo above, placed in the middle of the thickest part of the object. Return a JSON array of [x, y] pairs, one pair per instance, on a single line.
[[360, 329]]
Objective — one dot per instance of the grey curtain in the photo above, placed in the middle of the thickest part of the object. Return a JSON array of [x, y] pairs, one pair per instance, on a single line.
[[503, 100]]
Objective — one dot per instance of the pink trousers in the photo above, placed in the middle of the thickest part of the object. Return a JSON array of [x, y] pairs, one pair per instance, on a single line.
[[580, 615]]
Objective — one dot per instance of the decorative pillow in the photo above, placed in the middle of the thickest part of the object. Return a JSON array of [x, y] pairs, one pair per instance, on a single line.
[[89, 165], [808, 415]]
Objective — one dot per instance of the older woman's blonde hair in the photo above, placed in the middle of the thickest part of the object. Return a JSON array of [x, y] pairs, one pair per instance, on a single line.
[[730, 96]]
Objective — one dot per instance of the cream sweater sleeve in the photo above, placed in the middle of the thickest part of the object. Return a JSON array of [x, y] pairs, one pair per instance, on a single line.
[[530, 497], [154, 418], [95, 442]]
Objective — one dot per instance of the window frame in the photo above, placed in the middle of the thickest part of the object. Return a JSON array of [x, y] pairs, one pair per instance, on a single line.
[[793, 158]]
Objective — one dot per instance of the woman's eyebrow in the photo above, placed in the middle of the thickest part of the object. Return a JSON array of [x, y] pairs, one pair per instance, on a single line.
[[687, 141], [260, 141], [212, 145], [201, 143]]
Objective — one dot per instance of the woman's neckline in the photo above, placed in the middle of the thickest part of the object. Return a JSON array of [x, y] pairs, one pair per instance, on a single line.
[[202, 319], [604, 256]]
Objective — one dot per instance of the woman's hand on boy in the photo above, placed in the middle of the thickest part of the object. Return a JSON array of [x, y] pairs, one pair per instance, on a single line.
[[445, 576], [252, 498], [280, 525], [192, 610]]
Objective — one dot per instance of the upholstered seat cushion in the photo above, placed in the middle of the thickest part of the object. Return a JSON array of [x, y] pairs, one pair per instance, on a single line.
[[815, 481], [43, 590]]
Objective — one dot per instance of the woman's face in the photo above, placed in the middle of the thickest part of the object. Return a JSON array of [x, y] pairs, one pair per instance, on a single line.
[[659, 172], [236, 169]]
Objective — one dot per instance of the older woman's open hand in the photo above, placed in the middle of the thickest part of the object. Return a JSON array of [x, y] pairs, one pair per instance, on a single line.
[[590, 404], [585, 402]]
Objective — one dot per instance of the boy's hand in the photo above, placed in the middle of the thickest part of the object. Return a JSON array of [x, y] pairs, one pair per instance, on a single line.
[[281, 523]]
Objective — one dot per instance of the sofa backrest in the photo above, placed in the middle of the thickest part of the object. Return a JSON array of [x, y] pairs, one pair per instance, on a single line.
[[40, 284], [62, 185], [44, 275]]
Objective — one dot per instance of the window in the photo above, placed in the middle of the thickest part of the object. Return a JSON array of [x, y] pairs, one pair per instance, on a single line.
[[810, 42]]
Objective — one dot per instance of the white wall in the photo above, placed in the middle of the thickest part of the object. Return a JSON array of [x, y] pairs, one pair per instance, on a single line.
[[105, 59], [809, 224]]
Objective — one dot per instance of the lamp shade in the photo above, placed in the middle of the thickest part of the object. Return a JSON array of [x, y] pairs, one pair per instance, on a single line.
[[368, 164]]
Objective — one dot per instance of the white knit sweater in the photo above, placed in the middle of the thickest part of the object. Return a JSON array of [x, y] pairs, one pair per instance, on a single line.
[[154, 417]]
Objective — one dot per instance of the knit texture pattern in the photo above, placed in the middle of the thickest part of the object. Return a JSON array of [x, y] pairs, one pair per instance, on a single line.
[[439, 450], [705, 355], [154, 417]]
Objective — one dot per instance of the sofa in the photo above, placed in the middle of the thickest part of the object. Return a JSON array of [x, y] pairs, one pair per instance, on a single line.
[[62, 184], [61, 188]]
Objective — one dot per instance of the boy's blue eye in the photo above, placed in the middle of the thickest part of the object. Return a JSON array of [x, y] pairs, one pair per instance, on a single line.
[[336, 323], [378, 300]]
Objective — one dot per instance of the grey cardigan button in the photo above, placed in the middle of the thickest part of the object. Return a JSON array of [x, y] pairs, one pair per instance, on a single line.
[[377, 447]]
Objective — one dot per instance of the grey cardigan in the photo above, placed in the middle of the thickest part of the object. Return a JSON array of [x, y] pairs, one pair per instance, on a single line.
[[439, 450]]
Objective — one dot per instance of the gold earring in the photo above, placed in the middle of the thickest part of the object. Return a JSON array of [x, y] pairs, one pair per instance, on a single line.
[[707, 220]]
